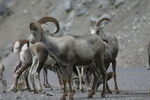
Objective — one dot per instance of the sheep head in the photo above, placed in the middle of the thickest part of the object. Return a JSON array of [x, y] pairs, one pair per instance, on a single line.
[[95, 28], [39, 27]]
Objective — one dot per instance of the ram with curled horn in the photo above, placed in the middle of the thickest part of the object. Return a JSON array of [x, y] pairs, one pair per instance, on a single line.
[[70, 51], [112, 48], [40, 25], [95, 28]]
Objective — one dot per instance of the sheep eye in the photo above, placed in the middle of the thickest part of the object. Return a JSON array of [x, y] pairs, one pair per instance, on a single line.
[[33, 34], [90, 32], [97, 32]]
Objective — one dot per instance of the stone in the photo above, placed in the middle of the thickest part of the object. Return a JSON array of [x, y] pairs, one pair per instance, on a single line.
[[82, 11], [68, 6]]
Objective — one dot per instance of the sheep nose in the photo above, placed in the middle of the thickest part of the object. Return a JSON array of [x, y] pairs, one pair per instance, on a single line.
[[31, 40]]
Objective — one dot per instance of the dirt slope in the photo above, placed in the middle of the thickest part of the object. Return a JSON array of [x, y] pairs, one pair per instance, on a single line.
[[130, 24]]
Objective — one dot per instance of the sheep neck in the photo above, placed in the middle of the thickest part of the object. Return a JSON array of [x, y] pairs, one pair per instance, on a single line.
[[50, 43]]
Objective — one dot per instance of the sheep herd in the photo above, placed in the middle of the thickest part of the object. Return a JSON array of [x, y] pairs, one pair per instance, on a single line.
[[69, 56]]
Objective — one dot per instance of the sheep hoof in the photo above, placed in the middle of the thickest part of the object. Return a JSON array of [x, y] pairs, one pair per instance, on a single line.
[[42, 91], [47, 85], [82, 90], [62, 98], [71, 98], [102, 95], [4, 92], [30, 90], [91, 93], [90, 96], [13, 89], [27, 88], [35, 91], [109, 92], [117, 92]]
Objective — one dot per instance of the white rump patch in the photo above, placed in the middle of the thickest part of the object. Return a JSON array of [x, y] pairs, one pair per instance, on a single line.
[[16, 47], [50, 61], [23, 50]]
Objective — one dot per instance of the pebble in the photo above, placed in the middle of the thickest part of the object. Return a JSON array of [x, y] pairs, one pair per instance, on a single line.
[[49, 93]]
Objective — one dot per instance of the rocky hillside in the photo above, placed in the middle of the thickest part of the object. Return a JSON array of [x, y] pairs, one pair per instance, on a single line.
[[130, 24]]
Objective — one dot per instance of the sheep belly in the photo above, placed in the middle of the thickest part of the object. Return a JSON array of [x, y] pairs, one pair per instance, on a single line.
[[50, 61]]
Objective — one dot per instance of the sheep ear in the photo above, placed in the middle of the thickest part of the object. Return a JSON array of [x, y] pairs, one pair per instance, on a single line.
[[92, 23], [101, 26], [33, 27]]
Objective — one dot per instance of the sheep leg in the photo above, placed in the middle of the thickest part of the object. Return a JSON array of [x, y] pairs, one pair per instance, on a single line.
[[24, 84], [27, 87], [100, 81], [80, 79], [31, 72], [46, 84], [114, 76], [64, 80], [58, 71], [83, 72], [17, 75], [100, 63], [88, 84], [70, 81], [17, 66], [109, 77], [2, 79], [37, 77], [91, 82], [95, 79], [149, 61]]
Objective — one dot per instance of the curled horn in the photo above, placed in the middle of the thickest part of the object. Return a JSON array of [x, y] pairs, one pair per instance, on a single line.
[[35, 26], [99, 22], [49, 19]]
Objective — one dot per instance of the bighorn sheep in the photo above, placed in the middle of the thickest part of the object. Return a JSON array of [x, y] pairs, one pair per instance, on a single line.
[[71, 51], [149, 55], [24, 62], [2, 79], [112, 49], [40, 59]]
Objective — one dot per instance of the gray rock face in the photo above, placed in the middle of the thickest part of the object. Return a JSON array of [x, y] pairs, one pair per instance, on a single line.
[[68, 6]]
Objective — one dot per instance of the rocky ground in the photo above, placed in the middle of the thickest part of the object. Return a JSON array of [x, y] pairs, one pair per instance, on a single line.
[[133, 84], [130, 24]]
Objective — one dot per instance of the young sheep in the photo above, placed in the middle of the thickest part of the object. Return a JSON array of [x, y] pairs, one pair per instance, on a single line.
[[40, 58], [111, 44], [24, 62], [2, 79], [19, 47], [71, 51]]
